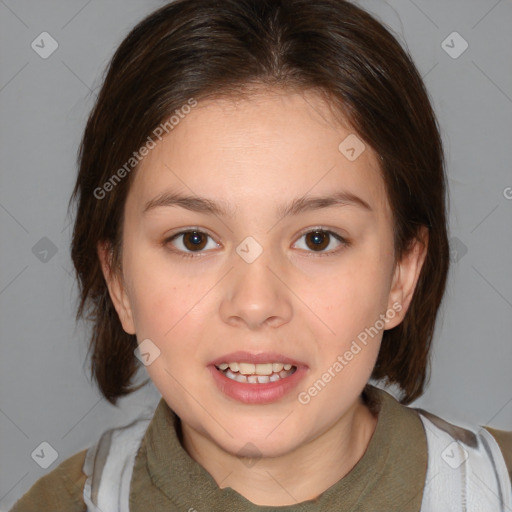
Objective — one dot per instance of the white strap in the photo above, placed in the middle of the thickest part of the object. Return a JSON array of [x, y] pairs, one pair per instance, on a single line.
[[464, 476], [109, 466]]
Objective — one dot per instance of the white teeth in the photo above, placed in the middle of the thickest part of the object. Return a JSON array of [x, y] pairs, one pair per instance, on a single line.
[[264, 369], [255, 369], [256, 373], [245, 368], [230, 374]]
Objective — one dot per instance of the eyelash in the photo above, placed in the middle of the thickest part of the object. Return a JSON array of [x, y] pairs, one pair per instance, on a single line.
[[197, 254]]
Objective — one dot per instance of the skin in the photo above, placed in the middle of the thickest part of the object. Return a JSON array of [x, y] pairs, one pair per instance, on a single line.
[[254, 155]]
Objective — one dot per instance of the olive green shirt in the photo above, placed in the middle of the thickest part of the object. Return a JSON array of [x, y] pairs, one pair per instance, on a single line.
[[389, 476]]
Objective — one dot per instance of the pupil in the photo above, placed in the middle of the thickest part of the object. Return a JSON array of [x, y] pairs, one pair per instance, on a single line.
[[195, 238], [319, 239]]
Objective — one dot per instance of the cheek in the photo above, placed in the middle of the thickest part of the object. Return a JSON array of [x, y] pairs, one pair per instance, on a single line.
[[170, 307], [356, 292], [159, 296]]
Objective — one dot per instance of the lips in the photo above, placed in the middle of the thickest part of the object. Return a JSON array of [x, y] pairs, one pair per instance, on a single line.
[[256, 378]]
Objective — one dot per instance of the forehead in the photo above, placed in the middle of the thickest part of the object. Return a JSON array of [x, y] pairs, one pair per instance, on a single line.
[[273, 144]]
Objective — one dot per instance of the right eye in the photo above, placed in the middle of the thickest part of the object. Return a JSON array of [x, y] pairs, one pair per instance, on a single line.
[[192, 241]]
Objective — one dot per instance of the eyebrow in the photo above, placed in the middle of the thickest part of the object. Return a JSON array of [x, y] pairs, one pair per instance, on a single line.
[[297, 206]]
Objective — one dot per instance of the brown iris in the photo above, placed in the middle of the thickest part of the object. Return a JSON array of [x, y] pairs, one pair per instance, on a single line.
[[193, 240], [320, 239]]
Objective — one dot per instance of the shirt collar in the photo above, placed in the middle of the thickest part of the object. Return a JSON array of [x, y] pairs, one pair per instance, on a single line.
[[391, 472]]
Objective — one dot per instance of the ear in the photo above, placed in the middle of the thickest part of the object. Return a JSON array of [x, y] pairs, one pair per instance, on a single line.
[[116, 288], [405, 277]]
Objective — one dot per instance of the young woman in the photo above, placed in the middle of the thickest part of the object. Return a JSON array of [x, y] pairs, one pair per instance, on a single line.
[[261, 223]]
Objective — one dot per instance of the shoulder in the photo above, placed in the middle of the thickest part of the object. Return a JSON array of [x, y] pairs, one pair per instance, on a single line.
[[468, 437], [504, 440], [464, 461], [483, 439], [61, 490]]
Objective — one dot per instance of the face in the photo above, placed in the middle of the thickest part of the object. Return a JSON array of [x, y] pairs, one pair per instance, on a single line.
[[273, 276]]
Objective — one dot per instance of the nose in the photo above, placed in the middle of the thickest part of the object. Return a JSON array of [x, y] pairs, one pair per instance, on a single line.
[[257, 295]]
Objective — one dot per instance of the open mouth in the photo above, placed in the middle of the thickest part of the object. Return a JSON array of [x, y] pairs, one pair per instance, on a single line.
[[261, 373]]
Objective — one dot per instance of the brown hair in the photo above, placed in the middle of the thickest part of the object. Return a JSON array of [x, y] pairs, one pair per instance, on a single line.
[[205, 49]]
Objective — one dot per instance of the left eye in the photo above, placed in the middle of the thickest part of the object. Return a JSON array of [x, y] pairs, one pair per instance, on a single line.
[[192, 241], [320, 239]]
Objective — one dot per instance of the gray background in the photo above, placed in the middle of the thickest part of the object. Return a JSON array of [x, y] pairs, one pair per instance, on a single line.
[[45, 392]]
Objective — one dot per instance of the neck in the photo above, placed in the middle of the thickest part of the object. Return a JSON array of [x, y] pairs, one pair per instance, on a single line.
[[296, 476]]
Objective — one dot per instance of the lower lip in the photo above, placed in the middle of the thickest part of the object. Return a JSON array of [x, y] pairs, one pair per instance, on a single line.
[[257, 393]]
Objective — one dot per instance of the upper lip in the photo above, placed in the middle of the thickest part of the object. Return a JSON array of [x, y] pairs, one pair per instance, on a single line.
[[255, 358]]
